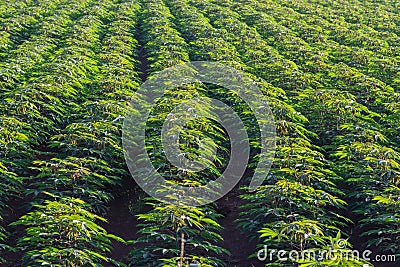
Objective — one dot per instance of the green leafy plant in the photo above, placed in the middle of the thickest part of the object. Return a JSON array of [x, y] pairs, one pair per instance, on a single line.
[[174, 235], [64, 233]]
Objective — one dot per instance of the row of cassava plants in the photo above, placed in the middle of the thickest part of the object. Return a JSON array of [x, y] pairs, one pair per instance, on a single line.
[[175, 235], [26, 117], [75, 238]]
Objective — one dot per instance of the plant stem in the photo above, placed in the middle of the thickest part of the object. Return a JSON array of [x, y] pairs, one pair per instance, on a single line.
[[182, 249]]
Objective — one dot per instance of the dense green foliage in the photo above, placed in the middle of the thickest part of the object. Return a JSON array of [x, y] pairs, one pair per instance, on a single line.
[[70, 237], [329, 69]]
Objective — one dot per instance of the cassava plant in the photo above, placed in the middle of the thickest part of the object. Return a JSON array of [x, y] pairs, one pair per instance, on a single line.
[[63, 233]]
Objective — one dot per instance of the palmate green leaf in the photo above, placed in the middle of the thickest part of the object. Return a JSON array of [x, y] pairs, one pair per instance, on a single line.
[[116, 238], [269, 233], [69, 233], [210, 222], [163, 226], [84, 177], [382, 200]]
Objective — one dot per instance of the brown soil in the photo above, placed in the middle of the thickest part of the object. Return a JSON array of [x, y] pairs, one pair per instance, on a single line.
[[16, 208], [237, 242], [123, 224]]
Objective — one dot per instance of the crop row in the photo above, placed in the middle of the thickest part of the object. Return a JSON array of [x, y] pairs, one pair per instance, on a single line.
[[75, 102], [172, 235]]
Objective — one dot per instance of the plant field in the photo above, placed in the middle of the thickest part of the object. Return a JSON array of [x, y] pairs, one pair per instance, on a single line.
[[330, 71]]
